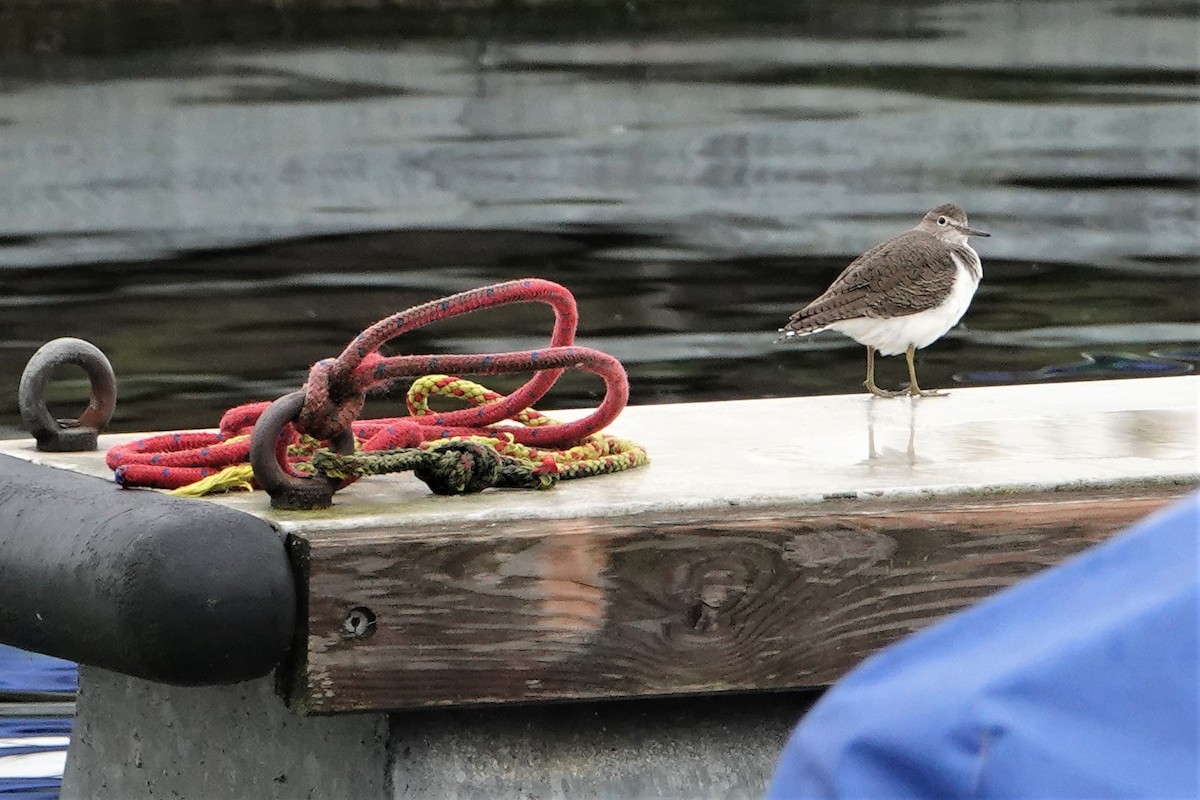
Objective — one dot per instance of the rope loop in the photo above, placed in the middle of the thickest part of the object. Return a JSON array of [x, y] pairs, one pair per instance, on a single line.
[[336, 389]]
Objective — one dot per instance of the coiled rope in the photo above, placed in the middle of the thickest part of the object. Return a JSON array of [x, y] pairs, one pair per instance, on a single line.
[[454, 452]]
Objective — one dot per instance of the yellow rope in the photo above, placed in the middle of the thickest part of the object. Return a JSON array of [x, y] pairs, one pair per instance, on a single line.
[[473, 393], [597, 454], [231, 479]]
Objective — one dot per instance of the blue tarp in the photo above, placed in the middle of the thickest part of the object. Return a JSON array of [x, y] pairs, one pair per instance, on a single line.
[[21, 671], [1078, 683]]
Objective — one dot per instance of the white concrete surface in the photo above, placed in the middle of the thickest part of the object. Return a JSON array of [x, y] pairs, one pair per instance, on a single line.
[[805, 449]]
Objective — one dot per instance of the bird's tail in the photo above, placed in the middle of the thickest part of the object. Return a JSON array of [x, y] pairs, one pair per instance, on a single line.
[[797, 328]]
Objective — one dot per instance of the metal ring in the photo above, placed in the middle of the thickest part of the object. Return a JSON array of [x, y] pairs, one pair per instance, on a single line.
[[67, 435], [290, 492]]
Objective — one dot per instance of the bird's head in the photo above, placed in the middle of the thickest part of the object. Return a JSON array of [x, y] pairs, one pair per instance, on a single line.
[[948, 222]]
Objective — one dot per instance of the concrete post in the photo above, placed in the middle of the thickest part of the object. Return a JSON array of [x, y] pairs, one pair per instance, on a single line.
[[679, 749], [138, 740]]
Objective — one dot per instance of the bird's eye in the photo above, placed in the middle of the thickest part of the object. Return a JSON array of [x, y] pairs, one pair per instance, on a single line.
[[941, 220]]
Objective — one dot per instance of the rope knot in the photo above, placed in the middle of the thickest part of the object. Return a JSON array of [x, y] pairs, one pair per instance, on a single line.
[[459, 467], [330, 406]]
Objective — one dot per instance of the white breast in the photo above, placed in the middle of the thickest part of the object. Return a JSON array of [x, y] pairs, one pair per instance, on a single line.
[[896, 334]]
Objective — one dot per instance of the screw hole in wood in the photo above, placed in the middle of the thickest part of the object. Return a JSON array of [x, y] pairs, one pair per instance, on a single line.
[[359, 623]]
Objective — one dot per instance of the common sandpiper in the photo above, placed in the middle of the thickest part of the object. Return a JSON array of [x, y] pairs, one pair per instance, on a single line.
[[901, 295]]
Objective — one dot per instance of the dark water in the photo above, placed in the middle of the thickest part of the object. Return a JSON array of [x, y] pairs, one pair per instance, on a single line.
[[217, 218]]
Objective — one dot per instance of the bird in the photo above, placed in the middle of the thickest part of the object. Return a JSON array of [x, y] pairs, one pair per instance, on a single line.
[[901, 295]]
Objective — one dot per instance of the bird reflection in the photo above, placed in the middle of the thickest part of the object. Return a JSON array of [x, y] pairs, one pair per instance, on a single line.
[[888, 456]]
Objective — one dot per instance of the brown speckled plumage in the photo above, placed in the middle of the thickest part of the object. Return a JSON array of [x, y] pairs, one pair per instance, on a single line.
[[908, 273]]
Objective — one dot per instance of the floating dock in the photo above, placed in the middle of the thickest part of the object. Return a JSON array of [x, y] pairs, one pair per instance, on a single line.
[[769, 547]]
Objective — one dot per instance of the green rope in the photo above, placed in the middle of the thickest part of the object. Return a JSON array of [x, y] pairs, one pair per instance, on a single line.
[[455, 467]]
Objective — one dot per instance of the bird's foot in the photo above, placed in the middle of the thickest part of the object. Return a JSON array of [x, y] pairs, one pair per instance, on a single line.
[[875, 390], [917, 391]]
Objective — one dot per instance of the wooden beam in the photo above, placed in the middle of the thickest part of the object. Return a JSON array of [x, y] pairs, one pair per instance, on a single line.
[[661, 604], [770, 544]]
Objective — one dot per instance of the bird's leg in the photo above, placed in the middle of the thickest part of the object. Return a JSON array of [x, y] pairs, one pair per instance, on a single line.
[[870, 381], [913, 388]]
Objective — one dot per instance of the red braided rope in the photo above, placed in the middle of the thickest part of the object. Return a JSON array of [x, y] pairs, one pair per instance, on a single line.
[[336, 392]]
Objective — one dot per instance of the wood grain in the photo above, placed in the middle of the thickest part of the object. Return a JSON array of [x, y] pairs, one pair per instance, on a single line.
[[660, 604]]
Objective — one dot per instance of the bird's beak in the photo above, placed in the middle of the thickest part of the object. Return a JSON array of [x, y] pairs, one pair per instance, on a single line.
[[971, 231]]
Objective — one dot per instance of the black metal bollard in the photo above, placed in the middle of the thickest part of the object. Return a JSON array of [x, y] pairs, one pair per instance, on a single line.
[[179, 591]]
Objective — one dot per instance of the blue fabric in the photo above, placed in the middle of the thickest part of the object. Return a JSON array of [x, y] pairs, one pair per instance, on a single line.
[[21, 671], [1080, 682]]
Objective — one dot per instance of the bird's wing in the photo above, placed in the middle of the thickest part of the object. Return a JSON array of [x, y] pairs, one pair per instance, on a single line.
[[912, 272]]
